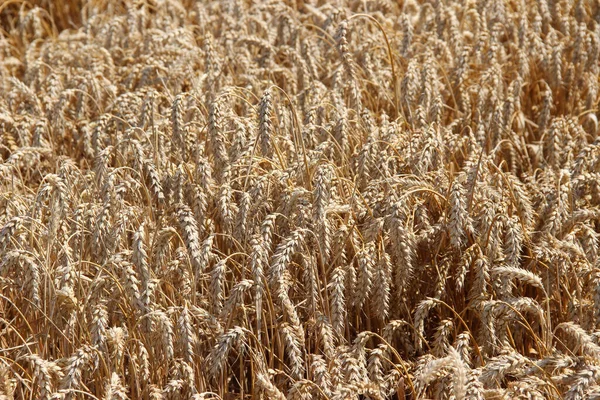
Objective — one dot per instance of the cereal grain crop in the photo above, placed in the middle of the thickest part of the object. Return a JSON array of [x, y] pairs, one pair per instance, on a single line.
[[300, 200]]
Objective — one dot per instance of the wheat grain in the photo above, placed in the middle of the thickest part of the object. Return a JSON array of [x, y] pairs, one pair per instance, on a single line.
[[317, 200]]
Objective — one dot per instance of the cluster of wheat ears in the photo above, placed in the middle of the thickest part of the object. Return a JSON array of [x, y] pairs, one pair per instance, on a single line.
[[319, 200]]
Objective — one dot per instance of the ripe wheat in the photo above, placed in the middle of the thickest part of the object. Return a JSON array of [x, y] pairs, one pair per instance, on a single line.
[[302, 200]]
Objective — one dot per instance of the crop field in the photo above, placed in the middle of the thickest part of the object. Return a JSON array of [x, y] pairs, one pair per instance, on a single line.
[[345, 200]]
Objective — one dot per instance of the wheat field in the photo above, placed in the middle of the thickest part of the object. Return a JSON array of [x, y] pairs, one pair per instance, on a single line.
[[299, 200]]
